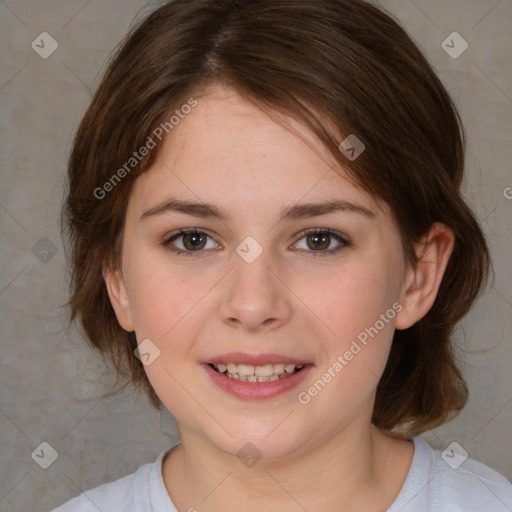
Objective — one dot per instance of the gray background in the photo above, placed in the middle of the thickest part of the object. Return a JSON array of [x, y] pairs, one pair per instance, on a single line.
[[52, 387]]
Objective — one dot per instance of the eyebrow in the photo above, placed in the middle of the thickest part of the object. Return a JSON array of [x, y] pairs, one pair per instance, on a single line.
[[297, 211]]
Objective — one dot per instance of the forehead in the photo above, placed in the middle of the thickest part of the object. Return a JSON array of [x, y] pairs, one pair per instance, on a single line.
[[228, 151]]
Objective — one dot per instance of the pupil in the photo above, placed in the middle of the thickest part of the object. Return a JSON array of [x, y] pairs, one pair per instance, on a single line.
[[197, 239], [320, 237]]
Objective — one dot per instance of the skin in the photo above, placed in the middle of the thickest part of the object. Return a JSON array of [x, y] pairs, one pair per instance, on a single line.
[[325, 455]]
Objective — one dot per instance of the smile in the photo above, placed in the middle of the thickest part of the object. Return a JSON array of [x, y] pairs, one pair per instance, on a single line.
[[269, 375], [260, 373]]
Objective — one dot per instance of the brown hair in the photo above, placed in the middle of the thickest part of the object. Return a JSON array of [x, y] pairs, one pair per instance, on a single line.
[[341, 63]]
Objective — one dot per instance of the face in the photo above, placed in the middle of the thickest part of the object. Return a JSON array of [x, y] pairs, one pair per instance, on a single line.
[[262, 280]]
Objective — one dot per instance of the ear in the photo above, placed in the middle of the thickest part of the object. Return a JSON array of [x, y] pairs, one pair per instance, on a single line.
[[118, 295], [422, 281]]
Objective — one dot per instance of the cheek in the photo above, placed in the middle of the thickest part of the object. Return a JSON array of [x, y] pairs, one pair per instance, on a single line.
[[355, 297], [359, 313], [163, 296], [167, 306]]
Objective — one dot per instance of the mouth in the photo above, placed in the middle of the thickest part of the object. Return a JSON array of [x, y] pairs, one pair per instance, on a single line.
[[261, 373], [256, 377]]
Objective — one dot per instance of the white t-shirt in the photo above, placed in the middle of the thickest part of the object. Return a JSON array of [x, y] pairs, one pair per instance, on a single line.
[[432, 485]]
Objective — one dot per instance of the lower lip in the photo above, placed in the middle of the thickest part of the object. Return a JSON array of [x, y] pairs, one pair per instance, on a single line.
[[256, 390]]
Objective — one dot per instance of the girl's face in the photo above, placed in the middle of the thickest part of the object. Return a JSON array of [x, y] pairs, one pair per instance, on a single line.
[[272, 276]]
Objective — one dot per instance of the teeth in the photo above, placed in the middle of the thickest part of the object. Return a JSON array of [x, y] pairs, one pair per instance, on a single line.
[[253, 378], [289, 368], [267, 379], [263, 373], [244, 370], [278, 368]]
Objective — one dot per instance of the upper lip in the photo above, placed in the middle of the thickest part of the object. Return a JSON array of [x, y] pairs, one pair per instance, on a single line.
[[255, 359]]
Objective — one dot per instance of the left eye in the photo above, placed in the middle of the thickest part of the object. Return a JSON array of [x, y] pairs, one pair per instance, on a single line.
[[319, 240]]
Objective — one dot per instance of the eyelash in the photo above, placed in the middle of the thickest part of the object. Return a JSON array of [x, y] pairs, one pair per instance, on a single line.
[[338, 236]]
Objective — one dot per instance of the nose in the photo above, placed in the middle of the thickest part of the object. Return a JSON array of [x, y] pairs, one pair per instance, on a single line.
[[256, 298]]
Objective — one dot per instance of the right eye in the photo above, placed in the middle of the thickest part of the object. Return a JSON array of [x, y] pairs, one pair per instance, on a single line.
[[193, 241]]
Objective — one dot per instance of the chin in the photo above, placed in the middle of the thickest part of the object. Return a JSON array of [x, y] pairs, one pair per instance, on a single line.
[[261, 442]]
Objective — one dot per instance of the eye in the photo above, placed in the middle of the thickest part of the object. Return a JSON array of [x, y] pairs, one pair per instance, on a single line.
[[193, 240], [319, 240]]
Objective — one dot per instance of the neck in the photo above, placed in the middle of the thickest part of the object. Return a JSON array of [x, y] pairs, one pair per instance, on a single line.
[[357, 469]]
